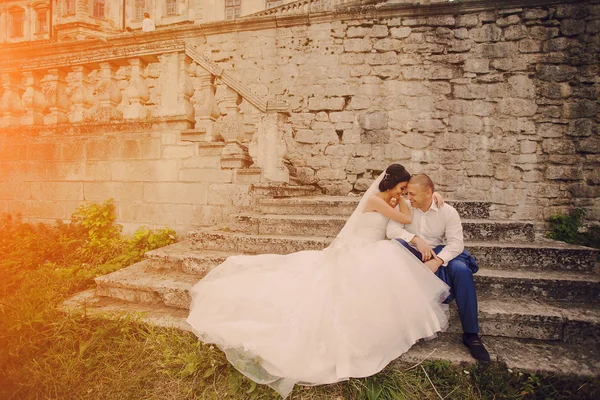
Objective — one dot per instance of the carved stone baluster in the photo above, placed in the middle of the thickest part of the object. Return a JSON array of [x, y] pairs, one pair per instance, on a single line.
[[136, 91], [268, 147], [10, 105], [56, 97], [81, 94], [186, 88], [33, 100], [207, 109], [107, 93], [234, 154], [176, 88]]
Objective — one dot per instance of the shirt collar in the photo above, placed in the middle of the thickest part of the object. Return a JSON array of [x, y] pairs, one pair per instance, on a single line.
[[433, 207]]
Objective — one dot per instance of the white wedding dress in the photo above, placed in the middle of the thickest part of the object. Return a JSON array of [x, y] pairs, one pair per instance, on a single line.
[[318, 317]]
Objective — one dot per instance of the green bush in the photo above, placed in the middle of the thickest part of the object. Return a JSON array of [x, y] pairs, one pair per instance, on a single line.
[[569, 228]]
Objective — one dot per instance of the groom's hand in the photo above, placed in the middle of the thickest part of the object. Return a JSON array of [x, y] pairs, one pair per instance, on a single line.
[[434, 264], [425, 249]]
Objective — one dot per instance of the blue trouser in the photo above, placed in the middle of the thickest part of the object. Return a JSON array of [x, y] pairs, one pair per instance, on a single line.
[[459, 277]]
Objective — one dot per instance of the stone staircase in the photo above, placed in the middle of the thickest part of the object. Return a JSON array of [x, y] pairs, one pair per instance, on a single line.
[[538, 299]]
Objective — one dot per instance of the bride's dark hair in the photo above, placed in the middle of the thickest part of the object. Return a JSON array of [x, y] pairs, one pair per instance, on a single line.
[[394, 174]]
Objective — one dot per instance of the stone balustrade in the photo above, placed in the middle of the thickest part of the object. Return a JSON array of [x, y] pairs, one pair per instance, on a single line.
[[302, 7], [144, 83]]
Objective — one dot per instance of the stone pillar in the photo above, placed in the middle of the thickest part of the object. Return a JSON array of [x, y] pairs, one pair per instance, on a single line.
[[11, 108], [136, 92], [176, 88], [186, 88], [33, 100], [56, 96], [234, 154], [268, 147], [107, 93], [207, 109], [81, 94]]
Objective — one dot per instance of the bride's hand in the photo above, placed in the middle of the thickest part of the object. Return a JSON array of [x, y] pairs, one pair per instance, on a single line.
[[394, 202], [439, 200]]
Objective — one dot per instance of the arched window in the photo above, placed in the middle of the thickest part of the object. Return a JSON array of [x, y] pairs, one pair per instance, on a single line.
[[41, 19], [69, 7], [232, 9], [99, 9], [140, 7], [171, 7]]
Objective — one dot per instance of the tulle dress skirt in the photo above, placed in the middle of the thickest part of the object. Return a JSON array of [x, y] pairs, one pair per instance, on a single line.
[[318, 317]]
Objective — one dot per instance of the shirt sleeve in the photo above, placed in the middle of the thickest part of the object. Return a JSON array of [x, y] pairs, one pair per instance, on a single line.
[[454, 236]]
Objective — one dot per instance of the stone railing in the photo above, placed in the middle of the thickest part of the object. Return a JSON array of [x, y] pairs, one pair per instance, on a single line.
[[302, 7], [147, 82]]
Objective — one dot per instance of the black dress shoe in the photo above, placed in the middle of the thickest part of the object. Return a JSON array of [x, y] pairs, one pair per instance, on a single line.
[[476, 347]]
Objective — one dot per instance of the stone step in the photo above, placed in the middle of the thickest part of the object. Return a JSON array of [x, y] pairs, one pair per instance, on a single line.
[[330, 226], [345, 205], [526, 355], [538, 255], [561, 286], [525, 318], [555, 357], [283, 190]]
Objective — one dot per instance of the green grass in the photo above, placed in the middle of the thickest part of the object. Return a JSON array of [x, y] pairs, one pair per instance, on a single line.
[[46, 353]]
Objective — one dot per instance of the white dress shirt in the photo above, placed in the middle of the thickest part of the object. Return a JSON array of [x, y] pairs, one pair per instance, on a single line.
[[147, 25], [438, 225]]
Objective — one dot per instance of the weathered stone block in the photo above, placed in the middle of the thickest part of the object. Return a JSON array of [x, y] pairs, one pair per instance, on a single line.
[[331, 174], [356, 32], [388, 44], [555, 172], [373, 137], [467, 20], [470, 92], [477, 65], [487, 33], [499, 50], [386, 58], [535, 13], [359, 103], [556, 73], [465, 124], [378, 31], [305, 136], [518, 107], [460, 46], [542, 32], [581, 127], [56, 191], [373, 121], [530, 46], [521, 86], [441, 20], [415, 140], [579, 109], [509, 20], [206, 175], [175, 192], [396, 88], [511, 64], [571, 27], [400, 33], [357, 45], [229, 194], [515, 32], [556, 90], [590, 145], [549, 130], [352, 58], [558, 146], [593, 26], [326, 103], [528, 146]]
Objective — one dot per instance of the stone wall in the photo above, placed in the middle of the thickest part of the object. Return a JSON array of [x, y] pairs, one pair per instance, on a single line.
[[498, 104], [495, 104]]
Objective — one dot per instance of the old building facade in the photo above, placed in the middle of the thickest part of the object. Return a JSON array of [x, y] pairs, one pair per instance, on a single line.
[[26, 20], [187, 124]]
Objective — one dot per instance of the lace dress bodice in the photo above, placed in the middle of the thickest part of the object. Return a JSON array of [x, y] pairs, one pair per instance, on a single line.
[[371, 227]]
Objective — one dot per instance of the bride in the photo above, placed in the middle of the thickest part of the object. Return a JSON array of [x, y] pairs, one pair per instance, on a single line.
[[319, 317]]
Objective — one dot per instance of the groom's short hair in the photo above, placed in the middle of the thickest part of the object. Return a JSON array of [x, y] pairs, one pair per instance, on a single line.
[[423, 180]]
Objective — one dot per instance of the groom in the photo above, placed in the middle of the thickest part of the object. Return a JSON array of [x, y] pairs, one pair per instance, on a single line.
[[424, 237]]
